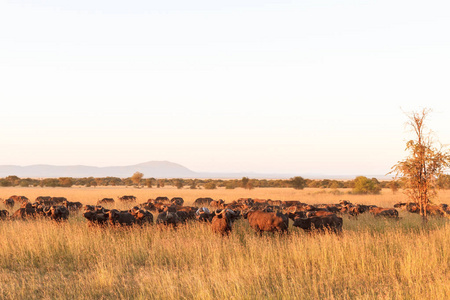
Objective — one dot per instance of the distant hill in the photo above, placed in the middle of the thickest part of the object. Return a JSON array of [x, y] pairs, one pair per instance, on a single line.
[[159, 169], [156, 169]]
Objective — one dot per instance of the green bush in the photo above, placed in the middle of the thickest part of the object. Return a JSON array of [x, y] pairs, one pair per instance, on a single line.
[[298, 183], [365, 186]]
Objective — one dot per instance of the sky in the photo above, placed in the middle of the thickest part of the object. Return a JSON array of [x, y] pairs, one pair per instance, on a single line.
[[298, 87]]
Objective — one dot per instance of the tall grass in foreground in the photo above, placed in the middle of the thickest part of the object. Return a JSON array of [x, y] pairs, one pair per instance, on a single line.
[[373, 258]]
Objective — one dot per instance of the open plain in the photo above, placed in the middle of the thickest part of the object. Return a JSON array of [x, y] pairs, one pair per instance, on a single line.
[[371, 259]]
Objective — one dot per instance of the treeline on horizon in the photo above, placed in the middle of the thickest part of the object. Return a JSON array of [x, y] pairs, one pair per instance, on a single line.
[[372, 185]]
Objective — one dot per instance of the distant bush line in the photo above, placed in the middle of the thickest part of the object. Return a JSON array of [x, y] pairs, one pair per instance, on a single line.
[[359, 185]]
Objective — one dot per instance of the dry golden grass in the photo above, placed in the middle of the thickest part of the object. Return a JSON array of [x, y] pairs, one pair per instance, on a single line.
[[308, 195], [372, 259]]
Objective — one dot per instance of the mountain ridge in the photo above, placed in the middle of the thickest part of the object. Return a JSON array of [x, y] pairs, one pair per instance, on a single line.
[[155, 169], [149, 168]]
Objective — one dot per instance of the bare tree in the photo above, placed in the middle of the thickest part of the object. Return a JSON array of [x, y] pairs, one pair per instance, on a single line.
[[424, 164]]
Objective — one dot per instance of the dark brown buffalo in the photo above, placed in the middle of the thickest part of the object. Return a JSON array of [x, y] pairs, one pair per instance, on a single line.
[[296, 214], [169, 208], [189, 209], [120, 217], [177, 201], [435, 210], [319, 213], [19, 199], [260, 201], [9, 203], [331, 223], [412, 207], [235, 206], [58, 200], [57, 213], [363, 208], [384, 212], [217, 203], [200, 202], [95, 215], [88, 207], [432, 210], [246, 201], [73, 206], [44, 200], [289, 203], [168, 218], [162, 199], [127, 198], [334, 208], [275, 202], [40, 210], [444, 206], [158, 207], [27, 210], [105, 201], [4, 214], [203, 214], [26, 204], [345, 202], [142, 216], [183, 216], [401, 205], [351, 210], [267, 221], [147, 206]]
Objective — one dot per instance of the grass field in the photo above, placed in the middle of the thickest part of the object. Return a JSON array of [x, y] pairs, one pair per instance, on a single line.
[[372, 259]]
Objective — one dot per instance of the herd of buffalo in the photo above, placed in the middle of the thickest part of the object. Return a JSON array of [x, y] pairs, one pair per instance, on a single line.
[[262, 215]]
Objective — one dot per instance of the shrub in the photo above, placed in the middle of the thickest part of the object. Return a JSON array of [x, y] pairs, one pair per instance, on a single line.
[[210, 185], [364, 186], [298, 183]]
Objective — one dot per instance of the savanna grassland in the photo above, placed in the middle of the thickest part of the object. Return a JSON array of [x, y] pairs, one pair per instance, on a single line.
[[372, 259]]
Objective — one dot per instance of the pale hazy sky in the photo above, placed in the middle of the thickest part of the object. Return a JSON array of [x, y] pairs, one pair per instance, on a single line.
[[266, 86]]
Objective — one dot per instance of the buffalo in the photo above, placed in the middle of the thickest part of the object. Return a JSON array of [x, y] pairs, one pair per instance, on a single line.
[[168, 218], [95, 216], [9, 203], [105, 201], [162, 199], [177, 201], [401, 205], [183, 216], [58, 200], [19, 199], [127, 198], [203, 214], [432, 210], [200, 202], [142, 216], [289, 203], [384, 212], [4, 214], [217, 203], [27, 210], [73, 206], [267, 221], [222, 221], [44, 200], [120, 217], [320, 222], [148, 206], [57, 213], [246, 201]]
